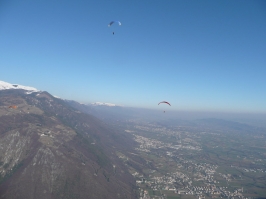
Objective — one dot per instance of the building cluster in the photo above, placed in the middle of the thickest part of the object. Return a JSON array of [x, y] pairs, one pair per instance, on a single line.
[[249, 169], [146, 144], [188, 177]]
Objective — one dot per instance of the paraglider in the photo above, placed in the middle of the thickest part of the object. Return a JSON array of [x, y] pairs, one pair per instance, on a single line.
[[165, 103], [112, 22]]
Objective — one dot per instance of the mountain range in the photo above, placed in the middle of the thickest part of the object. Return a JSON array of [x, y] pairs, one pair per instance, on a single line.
[[49, 149]]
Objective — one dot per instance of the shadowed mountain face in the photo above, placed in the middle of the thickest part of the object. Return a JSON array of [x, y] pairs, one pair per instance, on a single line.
[[51, 150]]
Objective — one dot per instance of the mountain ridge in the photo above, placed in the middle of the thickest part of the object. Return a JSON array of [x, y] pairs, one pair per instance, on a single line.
[[52, 150]]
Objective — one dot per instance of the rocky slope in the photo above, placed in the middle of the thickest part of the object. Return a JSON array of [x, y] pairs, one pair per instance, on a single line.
[[48, 149]]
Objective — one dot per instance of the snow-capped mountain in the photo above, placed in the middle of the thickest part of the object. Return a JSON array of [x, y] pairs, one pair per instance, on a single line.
[[102, 104], [6, 86]]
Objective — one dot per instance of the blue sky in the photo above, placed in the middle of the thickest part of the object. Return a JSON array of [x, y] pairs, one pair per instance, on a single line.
[[198, 55]]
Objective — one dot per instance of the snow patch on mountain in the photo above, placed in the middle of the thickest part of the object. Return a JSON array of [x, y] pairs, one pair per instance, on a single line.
[[102, 104], [6, 86], [57, 97]]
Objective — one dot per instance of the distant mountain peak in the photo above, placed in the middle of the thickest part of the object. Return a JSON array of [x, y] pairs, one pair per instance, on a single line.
[[6, 86], [102, 104]]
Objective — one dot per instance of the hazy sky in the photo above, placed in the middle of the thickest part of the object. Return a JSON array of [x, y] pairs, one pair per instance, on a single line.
[[198, 55]]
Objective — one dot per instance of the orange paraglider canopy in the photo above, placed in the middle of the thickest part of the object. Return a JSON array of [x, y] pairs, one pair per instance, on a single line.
[[13, 106]]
